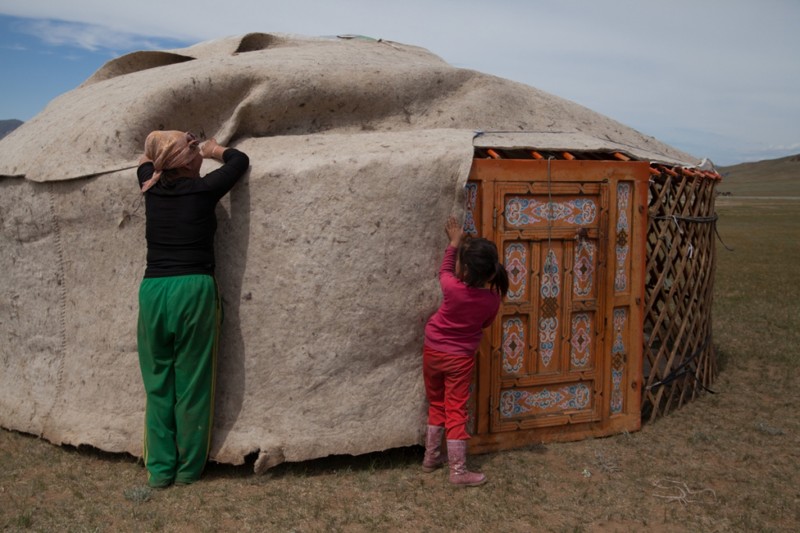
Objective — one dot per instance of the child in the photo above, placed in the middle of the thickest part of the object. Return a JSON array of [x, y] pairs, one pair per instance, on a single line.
[[473, 283]]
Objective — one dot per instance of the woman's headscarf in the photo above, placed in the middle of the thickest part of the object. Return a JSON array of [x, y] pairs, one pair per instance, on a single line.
[[169, 149]]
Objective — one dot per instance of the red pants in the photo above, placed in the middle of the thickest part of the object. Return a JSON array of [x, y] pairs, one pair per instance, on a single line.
[[447, 380]]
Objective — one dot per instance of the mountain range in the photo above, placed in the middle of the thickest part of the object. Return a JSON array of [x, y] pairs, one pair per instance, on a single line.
[[772, 177], [7, 126]]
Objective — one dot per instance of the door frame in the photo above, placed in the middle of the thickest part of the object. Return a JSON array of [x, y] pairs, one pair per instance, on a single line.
[[484, 175]]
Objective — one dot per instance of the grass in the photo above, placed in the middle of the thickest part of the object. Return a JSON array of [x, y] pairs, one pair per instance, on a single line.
[[756, 285], [728, 461]]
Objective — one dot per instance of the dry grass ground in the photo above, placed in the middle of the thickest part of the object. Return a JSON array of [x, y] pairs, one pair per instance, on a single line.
[[729, 461]]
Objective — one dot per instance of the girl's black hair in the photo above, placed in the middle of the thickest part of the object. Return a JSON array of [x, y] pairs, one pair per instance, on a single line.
[[480, 260]]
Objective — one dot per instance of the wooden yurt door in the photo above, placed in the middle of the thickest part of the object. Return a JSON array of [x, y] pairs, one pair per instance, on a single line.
[[560, 361]]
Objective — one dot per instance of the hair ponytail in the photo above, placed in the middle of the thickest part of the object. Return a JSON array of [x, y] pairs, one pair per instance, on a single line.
[[500, 280]]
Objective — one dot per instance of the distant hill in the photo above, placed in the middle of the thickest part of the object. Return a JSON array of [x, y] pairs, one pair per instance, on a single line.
[[7, 126], [773, 177]]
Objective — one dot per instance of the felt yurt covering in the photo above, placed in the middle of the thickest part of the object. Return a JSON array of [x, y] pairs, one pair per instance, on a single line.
[[327, 251]]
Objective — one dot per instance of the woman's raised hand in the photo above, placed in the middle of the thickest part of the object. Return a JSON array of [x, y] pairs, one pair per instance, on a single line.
[[209, 148]]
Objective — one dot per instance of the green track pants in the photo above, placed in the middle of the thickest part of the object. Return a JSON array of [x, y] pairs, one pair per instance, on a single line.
[[178, 332]]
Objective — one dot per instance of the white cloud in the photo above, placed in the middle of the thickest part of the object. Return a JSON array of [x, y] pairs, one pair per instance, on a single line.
[[16, 48], [86, 36]]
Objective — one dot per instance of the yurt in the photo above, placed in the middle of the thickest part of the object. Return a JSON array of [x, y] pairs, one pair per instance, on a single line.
[[328, 251]]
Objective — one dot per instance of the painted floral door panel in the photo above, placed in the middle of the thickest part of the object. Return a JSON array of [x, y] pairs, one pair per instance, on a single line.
[[562, 360], [548, 337]]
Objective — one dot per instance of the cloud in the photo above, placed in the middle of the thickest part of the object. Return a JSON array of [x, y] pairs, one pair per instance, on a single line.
[[16, 47], [795, 147], [724, 149], [86, 36]]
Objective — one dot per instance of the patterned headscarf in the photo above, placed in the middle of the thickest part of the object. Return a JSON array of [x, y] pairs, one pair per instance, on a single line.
[[169, 149]]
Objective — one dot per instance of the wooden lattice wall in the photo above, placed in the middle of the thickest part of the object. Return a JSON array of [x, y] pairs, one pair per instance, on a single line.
[[679, 357]]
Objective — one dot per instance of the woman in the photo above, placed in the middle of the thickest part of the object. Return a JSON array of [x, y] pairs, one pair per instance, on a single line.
[[179, 306]]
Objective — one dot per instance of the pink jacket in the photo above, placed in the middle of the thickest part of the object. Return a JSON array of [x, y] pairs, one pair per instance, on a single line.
[[457, 326]]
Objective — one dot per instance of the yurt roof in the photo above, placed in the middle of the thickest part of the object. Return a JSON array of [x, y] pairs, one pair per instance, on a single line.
[[260, 85]]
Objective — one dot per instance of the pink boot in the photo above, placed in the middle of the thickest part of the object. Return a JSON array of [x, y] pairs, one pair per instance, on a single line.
[[433, 449], [457, 457]]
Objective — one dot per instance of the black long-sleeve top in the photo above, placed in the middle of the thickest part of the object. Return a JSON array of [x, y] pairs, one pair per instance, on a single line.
[[181, 222]]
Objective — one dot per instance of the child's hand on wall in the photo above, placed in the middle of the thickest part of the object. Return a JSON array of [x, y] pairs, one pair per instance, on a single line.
[[454, 230]]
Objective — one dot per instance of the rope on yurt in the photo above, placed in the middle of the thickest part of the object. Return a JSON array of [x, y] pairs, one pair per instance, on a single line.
[[549, 208], [700, 220], [682, 369]]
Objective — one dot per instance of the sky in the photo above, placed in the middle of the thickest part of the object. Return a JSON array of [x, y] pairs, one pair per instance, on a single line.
[[719, 79]]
